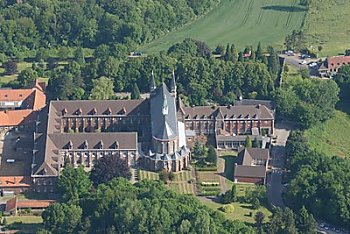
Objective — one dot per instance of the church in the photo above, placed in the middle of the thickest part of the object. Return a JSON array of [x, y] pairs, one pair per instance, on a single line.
[[153, 133]]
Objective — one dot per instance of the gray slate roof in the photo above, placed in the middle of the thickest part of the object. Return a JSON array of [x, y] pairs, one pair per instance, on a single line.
[[164, 125], [249, 171], [247, 155]]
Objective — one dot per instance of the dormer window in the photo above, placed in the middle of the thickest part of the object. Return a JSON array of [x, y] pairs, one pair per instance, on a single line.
[[86, 145], [79, 112], [122, 111], [64, 111], [116, 145], [93, 111], [108, 111], [70, 145], [100, 145]]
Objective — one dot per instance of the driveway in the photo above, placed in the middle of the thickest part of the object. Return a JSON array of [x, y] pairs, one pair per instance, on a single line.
[[278, 156]]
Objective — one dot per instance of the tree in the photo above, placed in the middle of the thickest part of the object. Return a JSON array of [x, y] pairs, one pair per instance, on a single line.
[[255, 203], [62, 218], [259, 54], [27, 77], [306, 222], [319, 48], [289, 221], [109, 167], [212, 156], [3, 58], [135, 93], [259, 220], [234, 53], [10, 67], [273, 62], [248, 142], [79, 56], [234, 196], [198, 149], [41, 54], [256, 143], [102, 89], [73, 184]]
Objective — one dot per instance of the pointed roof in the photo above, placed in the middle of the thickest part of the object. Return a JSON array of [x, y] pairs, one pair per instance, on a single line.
[[173, 83], [164, 116], [153, 83]]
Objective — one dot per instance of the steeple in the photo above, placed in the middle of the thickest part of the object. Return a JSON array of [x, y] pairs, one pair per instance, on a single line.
[[173, 85], [153, 84], [165, 109]]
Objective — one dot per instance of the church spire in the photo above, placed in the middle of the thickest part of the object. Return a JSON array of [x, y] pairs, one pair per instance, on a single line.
[[173, 84], [153, 83]]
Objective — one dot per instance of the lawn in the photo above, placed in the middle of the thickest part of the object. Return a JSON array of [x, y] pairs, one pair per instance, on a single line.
[[5, 79], [242, 22], [242, 210], [230, 159], [181, 184], [25, 224], [332, 137], [327, 24]]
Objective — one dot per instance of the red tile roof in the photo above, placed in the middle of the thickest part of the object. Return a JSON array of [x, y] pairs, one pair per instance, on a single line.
[[14, 204], [337, 61], [35, 99], [15, 181]]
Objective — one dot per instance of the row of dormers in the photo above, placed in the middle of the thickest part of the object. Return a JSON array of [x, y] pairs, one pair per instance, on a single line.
[[93, 111], [240, 116], [85, 145]]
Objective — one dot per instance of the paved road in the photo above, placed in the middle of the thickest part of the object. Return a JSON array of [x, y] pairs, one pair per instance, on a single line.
[[278, 154]]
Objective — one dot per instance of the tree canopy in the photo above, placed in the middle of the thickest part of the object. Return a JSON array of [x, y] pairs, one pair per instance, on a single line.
[[314, 179], [146, 207], [109, 167]]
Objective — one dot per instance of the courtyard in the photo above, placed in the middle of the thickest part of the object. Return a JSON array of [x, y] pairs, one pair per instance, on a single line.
[[15, 153]]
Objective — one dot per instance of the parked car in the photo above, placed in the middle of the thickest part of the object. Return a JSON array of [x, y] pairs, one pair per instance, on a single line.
[[302, 62]]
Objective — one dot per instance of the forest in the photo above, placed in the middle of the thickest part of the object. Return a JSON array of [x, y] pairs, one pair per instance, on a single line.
[[318, 182], [35, 24]]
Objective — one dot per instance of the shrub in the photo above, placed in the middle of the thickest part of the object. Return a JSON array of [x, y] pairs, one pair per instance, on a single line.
[[210, 183], [171, 176], [164, 176], [209, 193], [229, 209]]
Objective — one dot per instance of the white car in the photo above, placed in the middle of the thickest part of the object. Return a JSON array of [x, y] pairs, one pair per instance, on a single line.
[[312, 64], [303, 62]]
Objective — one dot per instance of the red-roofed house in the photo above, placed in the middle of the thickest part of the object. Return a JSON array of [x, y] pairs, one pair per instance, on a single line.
[[13, 206], [332, 64], [19, 107]]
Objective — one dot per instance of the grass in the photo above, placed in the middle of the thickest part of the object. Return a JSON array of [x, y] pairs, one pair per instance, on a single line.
[[230, 159], [332, 137], [148, 175], [25, 224], [181, 183], [242, 210], [327, 24], [5, 79], [242, 22]]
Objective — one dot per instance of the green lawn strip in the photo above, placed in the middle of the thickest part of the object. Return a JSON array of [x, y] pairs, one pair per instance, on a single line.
[[25, 224], [331, 137], [238, 22]]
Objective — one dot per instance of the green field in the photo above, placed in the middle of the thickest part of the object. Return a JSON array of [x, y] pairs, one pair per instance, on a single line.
[[242, 22], [332, 137], [327, 24]]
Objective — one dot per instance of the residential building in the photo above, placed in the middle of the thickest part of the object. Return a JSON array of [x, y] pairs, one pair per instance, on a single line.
[[19, 107], [252, 165], [331, 65]]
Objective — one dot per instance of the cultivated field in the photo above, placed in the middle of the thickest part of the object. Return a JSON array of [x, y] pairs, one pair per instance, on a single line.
[[243, 22], [327, 24]]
